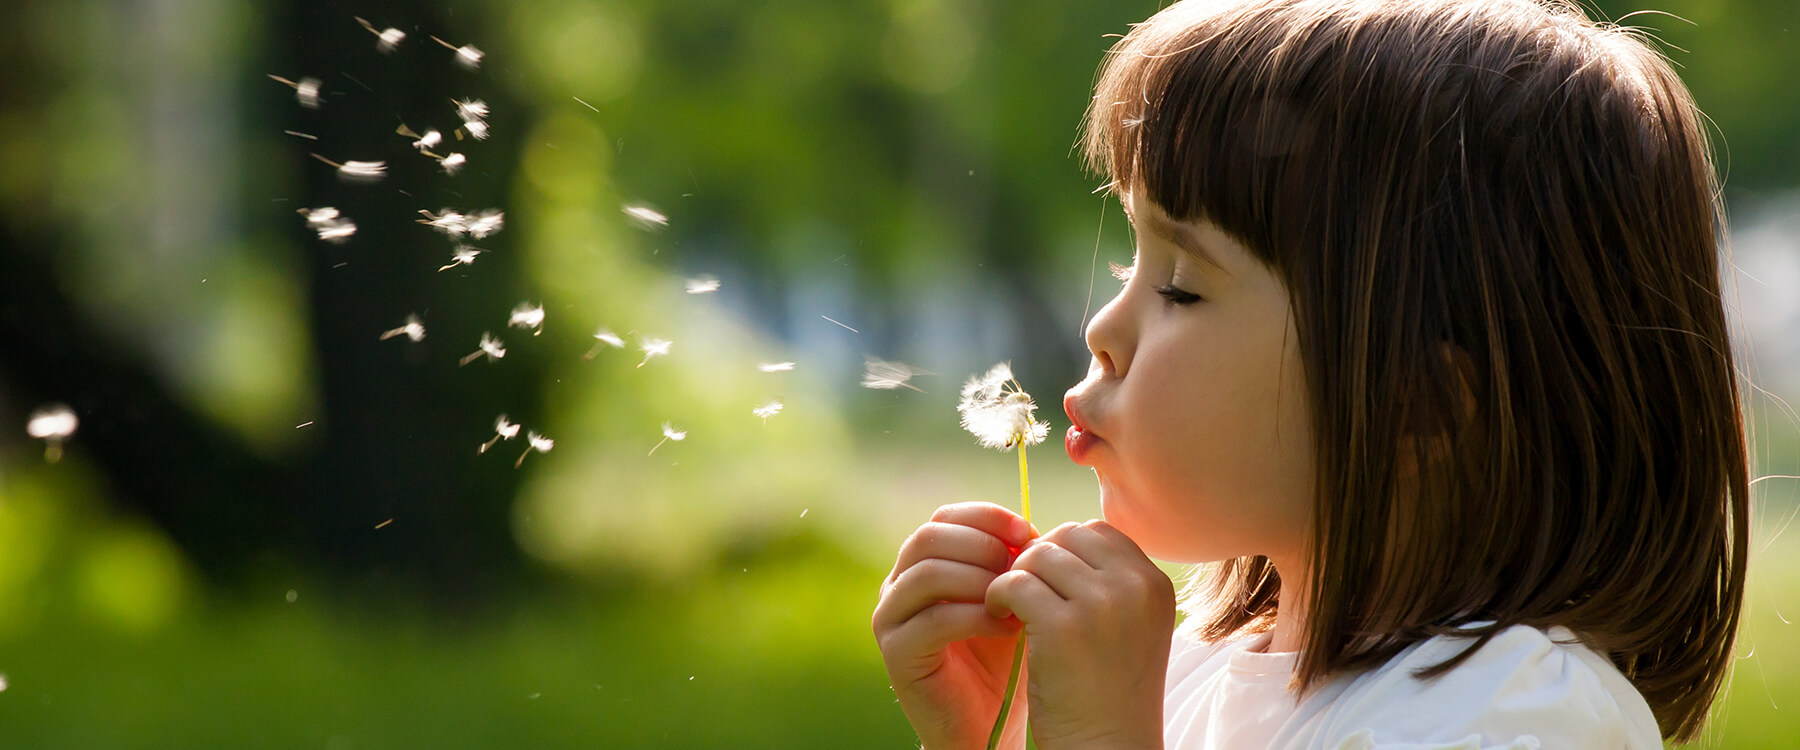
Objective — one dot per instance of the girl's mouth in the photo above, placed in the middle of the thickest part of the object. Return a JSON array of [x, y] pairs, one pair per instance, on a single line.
[[1078, 442]]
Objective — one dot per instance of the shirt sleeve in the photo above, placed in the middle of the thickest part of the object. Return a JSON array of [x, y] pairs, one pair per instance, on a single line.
[[1522, 690]]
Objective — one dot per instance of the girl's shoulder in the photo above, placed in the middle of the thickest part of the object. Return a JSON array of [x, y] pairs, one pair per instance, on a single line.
[[1525, 688]]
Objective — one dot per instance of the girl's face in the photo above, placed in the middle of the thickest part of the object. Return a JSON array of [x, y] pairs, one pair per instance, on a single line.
[[1194, 413]]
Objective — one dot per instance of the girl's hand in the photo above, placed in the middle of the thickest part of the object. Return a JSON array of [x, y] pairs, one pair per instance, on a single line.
[[1098, 616], [947, 657]]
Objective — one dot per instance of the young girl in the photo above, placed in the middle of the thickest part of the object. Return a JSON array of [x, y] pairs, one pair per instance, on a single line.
[[1423, 348]]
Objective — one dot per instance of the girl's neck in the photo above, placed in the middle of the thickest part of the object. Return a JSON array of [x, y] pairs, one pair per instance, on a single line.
[[1290, 618]]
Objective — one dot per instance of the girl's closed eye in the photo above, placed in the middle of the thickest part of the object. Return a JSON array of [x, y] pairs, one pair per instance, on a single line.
[[1174, 294]]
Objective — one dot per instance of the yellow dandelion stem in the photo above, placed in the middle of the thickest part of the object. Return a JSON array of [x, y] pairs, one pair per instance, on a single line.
[[1012, 680], [1024, 484]]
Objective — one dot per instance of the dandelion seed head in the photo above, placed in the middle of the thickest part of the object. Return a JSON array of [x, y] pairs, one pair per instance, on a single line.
[[506, 430], [486, 222], [470, 109], [55, 422], [775, 366], [527, 315], [670, 433], [998, 412], [540, 443], [702, 285], [362, 171], [307, 92], [884, 375], [453, 162], [768, 410], [644, 216], [611, 339], [390, 38]]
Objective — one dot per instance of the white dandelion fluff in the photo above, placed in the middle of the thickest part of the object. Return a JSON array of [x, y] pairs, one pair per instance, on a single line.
[[486, 222], [604, 337], [490, 346], [702, 285], [998, 412], [503, 430], [430, 139], [527, 315], [644, 216], [357, 171], [653, 347], [467, 55], [535, 442], [386, 39], [463, 255], [413, 329], [470, 109], [453, 162], [448, 221], [669, 433], [883, 375], [306, 90], [776, 367], [768, 410], [477, 129], [52, 424], [331, 225]]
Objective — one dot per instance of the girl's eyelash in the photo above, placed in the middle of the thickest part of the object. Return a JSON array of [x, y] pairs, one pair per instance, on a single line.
[[1177, 296], [1122, 273]]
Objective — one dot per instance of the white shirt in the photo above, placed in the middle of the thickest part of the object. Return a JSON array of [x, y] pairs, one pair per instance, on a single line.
[[1525, 689]]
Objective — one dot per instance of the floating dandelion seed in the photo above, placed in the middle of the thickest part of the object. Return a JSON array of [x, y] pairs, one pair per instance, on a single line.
[[485, 223], [357, 171], [453, 162], [449, 222], [776, 367], [653, 347], [490, 346], [389, 38], [538, 443], [425, 142], [702, 285], [468, 55], [463, 255], [768, 410], [413, 330], [669, 433], [884, 375], [644, 216], [478, 129], [527, 315], [998, 412], [332, 226], [470, 109], [503, 430], [52, 424], [607, 338], [306, 90]]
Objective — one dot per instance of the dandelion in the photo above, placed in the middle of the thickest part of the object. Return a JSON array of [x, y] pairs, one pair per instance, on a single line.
[[357, 171], [776, 367], [470, 109], [485, 223], [387, 39], [413, 330], [644, 216], [332, 226], [490, 346], [998, 411], [453, 162], [463, 255], [425, 142], [607, 338], [884, 375], [654, 347], [702, 285], [448, 221], [52, 424], [527, 315], [669, 433], [537, 443], [503, 430], [306, 90], [768, 410], [478, 129], [467, 55]]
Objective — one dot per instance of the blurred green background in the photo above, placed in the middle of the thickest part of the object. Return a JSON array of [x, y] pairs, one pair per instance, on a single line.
[[273, 528]]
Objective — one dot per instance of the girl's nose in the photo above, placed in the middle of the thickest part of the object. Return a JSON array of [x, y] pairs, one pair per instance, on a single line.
[[1109, 338]]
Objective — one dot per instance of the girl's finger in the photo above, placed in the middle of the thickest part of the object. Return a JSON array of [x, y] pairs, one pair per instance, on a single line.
[[1022, 594], [919, 643], [1120, 541], [1010, 527], [947, 541], [1066, 574], [1094, 548], [927, 583]]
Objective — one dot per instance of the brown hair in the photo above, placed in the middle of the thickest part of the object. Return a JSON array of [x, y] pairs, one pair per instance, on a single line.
[[1499, 224]]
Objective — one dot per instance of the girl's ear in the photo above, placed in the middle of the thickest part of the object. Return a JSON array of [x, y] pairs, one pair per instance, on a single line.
[[1437, 417]]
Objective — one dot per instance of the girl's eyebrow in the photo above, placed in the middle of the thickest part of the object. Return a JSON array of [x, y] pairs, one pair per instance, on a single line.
[[1180, 234]]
